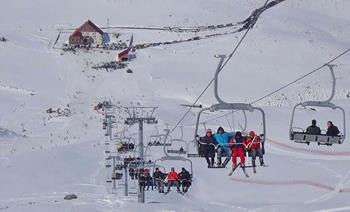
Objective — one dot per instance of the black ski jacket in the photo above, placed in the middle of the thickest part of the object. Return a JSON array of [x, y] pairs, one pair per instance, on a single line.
[[313, 130], [332, 131], [184, 175]]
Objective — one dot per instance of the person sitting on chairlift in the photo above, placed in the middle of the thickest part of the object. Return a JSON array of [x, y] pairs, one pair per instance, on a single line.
[[132, 173], [332, 130], [253, 145], [142, 179], [223, 138], [159, 177], [238, 142], [185, 179], [207, 147], [173, 180], [313, 129], [149, 180]]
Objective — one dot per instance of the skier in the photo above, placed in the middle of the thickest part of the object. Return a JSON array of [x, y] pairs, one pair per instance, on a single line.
[[313, 129], [173, 180], [132, 173], [185, 178], [208, 144], [136, 173], [223, 138], [149, 180], [332, 130], [238, 144], [158, 177], [253, 145], [142, 180]]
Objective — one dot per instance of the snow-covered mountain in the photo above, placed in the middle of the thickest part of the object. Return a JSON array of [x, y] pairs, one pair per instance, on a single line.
[[45, 156]]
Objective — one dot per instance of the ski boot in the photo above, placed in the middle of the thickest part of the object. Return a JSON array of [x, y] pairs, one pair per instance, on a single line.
[[262, 162], [253, 164]]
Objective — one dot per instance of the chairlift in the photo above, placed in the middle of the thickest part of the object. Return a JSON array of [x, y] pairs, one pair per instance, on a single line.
[[168, 157], [225, 106], [146, 152], [138, 163], [173, 158], [157, 139], [298, 135], [126, 144], [117, 175], [181, 150]]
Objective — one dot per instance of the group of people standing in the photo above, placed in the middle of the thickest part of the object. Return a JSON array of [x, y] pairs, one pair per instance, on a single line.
[[231, 145]]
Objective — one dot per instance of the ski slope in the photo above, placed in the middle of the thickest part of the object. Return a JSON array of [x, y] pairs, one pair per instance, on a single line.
[[43, 158]]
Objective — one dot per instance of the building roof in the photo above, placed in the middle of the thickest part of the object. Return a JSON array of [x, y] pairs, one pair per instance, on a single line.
[[124, 53], [76, 33], [88, 26]]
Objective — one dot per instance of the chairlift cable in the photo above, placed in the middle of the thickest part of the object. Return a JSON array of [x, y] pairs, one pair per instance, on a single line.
[[287, 85], [224, 64]]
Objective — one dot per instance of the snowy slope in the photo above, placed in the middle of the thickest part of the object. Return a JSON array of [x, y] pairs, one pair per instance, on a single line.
[[42, 158]]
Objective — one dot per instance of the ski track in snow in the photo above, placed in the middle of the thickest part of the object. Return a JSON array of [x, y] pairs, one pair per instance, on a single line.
[[286, 182], [317, 152], [347, 208]]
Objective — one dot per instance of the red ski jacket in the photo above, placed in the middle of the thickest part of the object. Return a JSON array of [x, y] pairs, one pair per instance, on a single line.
[[172, 176], [253, 143]]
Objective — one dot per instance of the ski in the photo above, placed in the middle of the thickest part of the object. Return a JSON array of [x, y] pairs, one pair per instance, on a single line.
[[233, 169], [225, 162], [245, 173], [177, 192], [180, 193]]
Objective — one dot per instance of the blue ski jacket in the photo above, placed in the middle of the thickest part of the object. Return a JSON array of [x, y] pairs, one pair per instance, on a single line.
[[223, 139]]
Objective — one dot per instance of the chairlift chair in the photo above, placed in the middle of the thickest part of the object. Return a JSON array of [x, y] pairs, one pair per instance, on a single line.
[[168, 157], [157, 140], [298, 135], [179, 140], [116, 175], [174, 158], [225, 106]]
